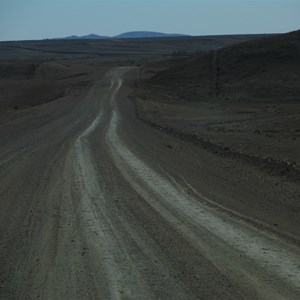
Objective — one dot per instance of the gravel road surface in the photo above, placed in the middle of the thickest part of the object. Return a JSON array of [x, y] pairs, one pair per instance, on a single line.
[[97, 205]]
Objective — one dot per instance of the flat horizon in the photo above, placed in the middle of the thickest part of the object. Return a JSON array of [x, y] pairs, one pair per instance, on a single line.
[[112, 37]]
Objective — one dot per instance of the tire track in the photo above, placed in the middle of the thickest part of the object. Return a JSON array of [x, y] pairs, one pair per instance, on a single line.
[[256, 260], [114, 273]]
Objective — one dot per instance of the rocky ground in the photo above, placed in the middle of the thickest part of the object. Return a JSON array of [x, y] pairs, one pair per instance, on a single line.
[[240, 102]]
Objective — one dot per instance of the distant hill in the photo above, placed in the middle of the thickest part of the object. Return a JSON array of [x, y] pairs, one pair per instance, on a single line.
[[146, 34], [126, 35], [84, 37], [93, 37]]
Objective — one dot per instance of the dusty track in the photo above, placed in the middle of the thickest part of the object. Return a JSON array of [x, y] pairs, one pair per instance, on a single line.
[[88, 213]]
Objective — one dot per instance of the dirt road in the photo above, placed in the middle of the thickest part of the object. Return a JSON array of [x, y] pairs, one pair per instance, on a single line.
[[95, 205]]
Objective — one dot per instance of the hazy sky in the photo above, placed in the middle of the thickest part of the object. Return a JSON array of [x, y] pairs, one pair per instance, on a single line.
[[38, 19]]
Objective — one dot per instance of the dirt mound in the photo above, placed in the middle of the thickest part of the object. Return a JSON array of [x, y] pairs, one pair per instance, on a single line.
[[259, 70]]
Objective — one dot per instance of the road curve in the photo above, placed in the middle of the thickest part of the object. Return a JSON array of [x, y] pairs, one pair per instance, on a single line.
[[102, 219]]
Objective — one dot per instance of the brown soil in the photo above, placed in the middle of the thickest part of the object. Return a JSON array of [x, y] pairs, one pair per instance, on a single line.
[[96, 204], [24, 85]]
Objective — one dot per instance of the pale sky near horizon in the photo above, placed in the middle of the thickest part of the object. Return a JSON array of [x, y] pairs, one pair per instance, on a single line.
[[39, 19]]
